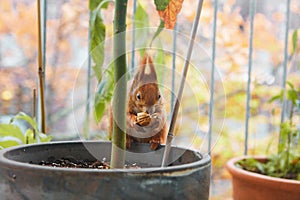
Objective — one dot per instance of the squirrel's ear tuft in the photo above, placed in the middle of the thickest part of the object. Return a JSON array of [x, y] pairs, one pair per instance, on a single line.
[[150, 72], [146, 71], [151, 67], [140, 73]]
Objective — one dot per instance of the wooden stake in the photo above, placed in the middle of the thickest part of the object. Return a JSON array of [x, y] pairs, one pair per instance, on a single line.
[[34, 109], [41, 71]]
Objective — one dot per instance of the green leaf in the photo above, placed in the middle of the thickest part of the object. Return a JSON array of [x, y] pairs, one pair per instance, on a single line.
[[141, 22], [291, 85], [97, 37], [277, 97], [29, 137], [23, 116], [161, 4], [158, 31], [104, 94], [252, 164], [93, 4], [12, 135], [292, 95], [270, 144], [97, 69], [9, 141], [11, 130], [100, 102], [44, 137], [260, 167], [284, 132], [295, 41]]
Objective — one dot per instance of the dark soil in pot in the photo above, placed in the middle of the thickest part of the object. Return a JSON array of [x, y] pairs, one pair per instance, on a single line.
[[73, 163]]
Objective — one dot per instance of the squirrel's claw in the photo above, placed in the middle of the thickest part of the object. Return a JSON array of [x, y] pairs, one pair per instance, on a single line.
[[128, 142], [154, 143]]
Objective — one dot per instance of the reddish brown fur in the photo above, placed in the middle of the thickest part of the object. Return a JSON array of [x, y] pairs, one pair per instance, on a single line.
[[147, 87]]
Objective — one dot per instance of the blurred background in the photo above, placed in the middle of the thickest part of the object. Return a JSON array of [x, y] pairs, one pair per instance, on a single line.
[[67, 74]]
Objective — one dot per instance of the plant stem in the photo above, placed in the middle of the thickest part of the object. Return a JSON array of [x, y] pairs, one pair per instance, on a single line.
[[34, 110], [292, 113], [119, 98], [289, 140]]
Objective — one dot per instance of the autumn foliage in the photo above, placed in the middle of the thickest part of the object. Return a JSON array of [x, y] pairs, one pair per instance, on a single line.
[[67, 47], [169, 15]]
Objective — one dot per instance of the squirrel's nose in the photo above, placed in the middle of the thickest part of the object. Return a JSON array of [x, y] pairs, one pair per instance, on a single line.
[[148, 109], [151, 110], [145, 109]]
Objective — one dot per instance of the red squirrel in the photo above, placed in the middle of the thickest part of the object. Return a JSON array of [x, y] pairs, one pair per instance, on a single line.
[[146, 115]]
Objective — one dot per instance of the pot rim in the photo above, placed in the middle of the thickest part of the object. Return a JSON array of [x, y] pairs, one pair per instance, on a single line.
[[241, 173], [4, 161]]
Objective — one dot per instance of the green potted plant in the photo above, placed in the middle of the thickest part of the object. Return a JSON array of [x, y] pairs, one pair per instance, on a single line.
[[24, 173], [276, 176]]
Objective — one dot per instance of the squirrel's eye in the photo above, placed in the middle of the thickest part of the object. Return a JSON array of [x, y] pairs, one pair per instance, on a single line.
[[159, 96], [138, 96]]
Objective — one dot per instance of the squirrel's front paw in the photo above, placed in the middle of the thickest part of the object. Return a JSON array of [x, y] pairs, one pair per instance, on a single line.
[[132, 120], [143, 119], [154, 143]]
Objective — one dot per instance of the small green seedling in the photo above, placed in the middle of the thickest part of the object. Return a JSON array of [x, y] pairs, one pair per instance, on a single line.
[[12, 134]]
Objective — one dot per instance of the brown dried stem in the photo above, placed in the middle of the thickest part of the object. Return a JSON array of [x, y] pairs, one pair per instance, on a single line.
[[41, 71]]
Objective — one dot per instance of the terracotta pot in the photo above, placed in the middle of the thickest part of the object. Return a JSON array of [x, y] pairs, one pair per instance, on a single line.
[[254, 186], [187, 178]]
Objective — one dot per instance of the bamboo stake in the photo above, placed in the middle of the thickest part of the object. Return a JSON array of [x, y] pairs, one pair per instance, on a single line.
[[41, 70], [34, 110], [181, 87]]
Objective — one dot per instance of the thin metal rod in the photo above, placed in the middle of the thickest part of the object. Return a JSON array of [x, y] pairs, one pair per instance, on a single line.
[[252, 12], [285, 61], [181, 87], [88, 95], [173, 65], [212, 79], [41, 70], [133, 37]]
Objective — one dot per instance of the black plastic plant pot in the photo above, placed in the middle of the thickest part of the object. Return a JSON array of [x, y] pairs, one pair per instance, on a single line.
[[187, 176]]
